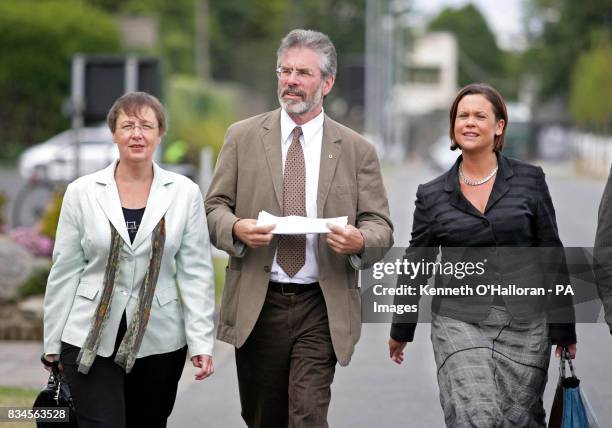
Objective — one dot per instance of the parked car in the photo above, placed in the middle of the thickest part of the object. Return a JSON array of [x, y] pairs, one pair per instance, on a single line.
[[48, 166], [53, 160]]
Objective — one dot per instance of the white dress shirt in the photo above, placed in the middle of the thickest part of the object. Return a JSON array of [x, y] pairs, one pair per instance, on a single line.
[[311, 141]]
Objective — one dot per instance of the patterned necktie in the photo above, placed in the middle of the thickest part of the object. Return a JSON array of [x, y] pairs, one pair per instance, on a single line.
[[291, 254]]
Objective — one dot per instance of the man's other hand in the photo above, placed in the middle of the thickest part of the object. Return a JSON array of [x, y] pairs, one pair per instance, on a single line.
[[345, 240]]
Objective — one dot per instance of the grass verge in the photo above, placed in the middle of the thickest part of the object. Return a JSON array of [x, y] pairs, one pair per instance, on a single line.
[[219, 264], [17, 397]]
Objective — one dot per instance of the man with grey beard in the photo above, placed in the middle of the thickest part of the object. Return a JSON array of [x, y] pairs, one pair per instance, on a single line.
[[291, 304]]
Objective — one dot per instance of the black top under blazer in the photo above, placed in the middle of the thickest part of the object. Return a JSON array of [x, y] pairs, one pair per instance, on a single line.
[[519, 213]]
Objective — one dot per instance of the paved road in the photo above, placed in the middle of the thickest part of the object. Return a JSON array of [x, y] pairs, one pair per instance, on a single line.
[[372, 391]]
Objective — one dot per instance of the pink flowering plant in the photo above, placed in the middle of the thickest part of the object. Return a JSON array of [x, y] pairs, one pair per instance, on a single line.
[[32, 240]]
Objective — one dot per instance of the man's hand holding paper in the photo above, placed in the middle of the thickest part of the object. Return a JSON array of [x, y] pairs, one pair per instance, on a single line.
[[342, 237], [296, 225], [247, 231]]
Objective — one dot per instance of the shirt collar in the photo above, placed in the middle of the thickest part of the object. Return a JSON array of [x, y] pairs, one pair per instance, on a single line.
[[309, 129]]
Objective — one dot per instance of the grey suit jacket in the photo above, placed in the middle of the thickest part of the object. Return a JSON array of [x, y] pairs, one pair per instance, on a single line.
[[248, 179]]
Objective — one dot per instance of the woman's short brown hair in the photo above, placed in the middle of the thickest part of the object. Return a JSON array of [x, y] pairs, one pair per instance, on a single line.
[[132, 104], [499, 108]]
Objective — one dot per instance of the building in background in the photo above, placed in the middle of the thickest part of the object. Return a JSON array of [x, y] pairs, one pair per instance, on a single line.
[[430, 78], [426, 91]]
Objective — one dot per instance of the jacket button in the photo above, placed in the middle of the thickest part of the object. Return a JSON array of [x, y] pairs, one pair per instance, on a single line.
[[485, 222], [267, 269]]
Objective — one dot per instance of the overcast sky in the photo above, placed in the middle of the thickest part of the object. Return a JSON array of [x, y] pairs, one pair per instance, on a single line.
[[503, 17]]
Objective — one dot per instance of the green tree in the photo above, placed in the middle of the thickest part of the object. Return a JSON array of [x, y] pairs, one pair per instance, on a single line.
[[591, 89], [344, 22], [244, 34], [480, 59], [559, 32], [200, 113], [244, 38], [176, 24], [37, 41]]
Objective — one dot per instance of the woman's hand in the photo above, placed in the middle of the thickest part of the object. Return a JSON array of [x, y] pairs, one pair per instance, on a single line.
[[396, 350], [571, 348], [205, 363], [48, 361]]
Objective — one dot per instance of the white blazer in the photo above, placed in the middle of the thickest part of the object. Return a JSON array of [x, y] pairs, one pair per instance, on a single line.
[[178, 315]]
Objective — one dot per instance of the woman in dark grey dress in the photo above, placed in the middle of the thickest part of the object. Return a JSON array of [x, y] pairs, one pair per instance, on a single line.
[[492, 352]]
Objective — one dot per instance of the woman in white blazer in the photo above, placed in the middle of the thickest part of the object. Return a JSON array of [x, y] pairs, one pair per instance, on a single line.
[[131, 288]]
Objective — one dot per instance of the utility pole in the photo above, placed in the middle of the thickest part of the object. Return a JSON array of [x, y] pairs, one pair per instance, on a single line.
[[374, 72], [399, 123], [202, 41], [77, 92], [385, 61]]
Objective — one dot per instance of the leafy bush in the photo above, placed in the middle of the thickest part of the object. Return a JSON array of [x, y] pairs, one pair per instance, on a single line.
[[36, 284], [50, 218], [3, 202]]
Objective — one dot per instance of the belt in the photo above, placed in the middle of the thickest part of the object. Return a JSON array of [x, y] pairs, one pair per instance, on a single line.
[[292, 288]]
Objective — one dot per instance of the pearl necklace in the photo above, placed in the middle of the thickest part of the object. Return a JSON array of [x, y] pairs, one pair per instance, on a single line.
[[471, 182]]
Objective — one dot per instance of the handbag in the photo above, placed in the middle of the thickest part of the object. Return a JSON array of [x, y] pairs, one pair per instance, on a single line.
[[55, 395], [568, 408]]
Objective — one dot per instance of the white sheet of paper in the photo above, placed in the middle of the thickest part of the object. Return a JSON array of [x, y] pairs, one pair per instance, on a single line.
[[297, 225]]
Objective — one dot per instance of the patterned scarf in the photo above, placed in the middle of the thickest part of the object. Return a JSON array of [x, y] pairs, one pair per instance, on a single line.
[[128, 350]]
